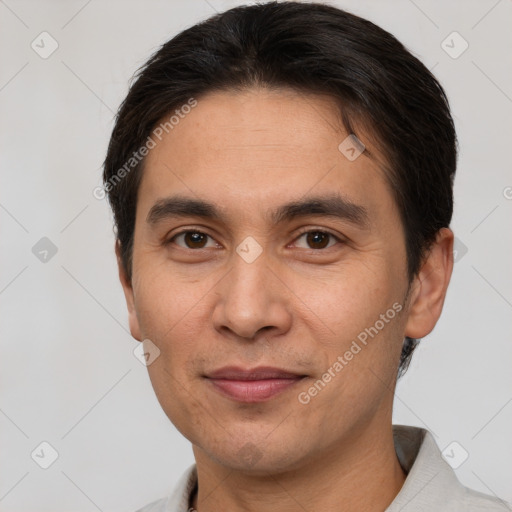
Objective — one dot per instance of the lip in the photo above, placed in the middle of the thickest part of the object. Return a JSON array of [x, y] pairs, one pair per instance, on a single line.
[[252, 385]]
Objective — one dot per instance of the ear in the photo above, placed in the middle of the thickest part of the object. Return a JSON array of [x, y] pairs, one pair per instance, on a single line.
[[128, 294], [428, 289]]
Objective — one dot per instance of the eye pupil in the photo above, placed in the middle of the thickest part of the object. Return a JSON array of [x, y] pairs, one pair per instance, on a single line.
[[195, 238], [315, 237]]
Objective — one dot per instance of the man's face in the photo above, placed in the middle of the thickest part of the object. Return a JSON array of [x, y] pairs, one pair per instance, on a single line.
[[209, 299]]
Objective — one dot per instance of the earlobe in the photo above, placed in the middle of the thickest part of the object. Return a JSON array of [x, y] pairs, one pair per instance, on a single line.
[[128, 294], [430, 286]]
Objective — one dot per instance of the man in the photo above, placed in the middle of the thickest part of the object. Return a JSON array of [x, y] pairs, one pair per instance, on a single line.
[[281, 180]]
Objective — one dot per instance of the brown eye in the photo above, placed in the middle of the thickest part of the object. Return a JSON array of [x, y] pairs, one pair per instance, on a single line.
[[195, 240], [318, 240], [191, 239]]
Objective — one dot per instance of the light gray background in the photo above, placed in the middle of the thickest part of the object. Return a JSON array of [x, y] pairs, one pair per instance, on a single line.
[[68, 375]]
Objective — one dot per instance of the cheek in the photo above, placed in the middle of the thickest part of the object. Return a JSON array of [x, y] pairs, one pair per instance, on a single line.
[[359, 374], [173, 316], [362, 311], [166, 300], [351, 297]]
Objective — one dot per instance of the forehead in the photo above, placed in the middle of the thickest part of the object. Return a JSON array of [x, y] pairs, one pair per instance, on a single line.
[[254, 150]]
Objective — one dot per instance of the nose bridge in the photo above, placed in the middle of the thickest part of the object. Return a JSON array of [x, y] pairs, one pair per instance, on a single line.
[[250, 299], [249, 279]]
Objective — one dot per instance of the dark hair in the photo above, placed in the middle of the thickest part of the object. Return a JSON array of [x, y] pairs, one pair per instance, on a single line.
[[313, 48]]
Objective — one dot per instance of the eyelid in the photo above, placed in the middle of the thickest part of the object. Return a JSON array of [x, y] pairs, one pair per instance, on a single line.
[[315, 229]]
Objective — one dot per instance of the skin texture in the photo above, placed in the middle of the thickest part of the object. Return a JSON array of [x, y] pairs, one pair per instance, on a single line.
[[298, 306]]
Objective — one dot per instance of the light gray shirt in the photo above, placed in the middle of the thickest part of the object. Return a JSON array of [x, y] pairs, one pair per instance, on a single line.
[[430, 486]]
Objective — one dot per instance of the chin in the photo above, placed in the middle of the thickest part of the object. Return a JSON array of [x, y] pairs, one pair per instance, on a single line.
[[257, 458]]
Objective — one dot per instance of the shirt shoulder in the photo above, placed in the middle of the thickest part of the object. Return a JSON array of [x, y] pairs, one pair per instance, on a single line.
[[178, 500], [431, 483], [474, 501]]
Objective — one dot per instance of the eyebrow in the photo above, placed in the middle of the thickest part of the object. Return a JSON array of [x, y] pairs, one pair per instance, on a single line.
[[334, 205]]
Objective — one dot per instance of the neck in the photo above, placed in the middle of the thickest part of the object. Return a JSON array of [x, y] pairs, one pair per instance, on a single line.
[[362, 473]]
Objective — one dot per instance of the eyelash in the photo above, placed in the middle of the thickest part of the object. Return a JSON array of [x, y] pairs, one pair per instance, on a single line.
[[300, 234]]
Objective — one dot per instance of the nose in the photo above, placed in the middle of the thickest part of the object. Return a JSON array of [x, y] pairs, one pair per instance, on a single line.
[[252, 301]]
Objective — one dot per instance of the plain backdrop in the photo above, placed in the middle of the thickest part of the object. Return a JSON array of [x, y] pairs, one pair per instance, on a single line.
[[68, 374]]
